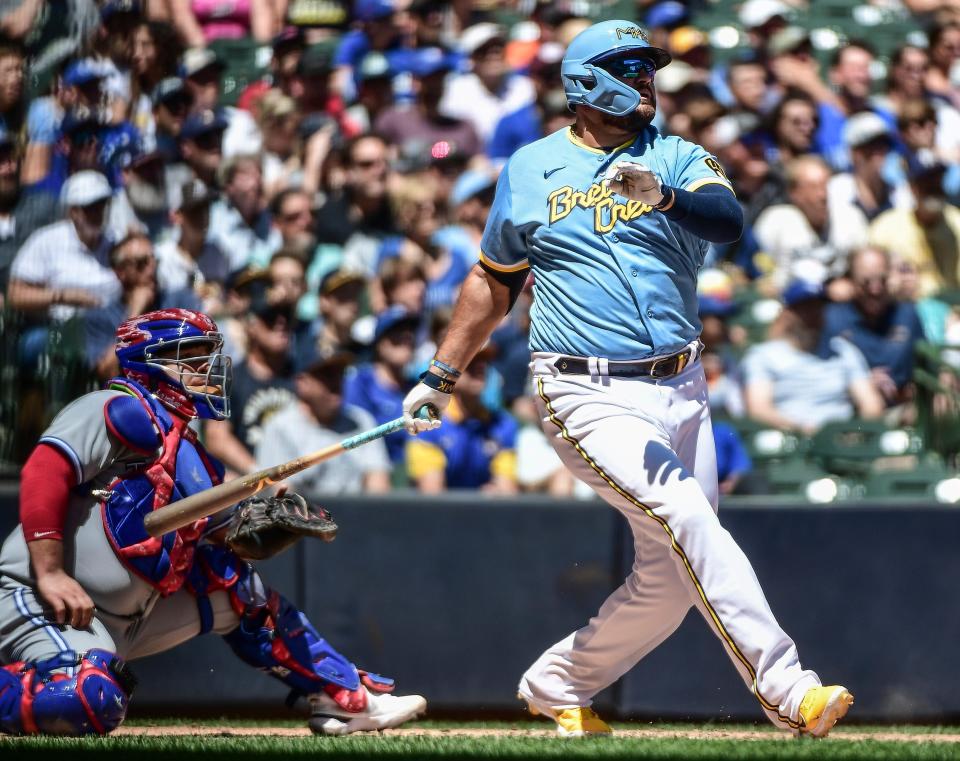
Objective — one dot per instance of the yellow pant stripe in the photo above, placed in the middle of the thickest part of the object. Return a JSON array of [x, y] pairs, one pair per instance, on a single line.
[[724, 634]]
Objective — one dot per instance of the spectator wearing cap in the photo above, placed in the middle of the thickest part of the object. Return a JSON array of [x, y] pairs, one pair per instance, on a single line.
[[421, 123], [20, 212], [64, 268], [12, 104], [718, 357], [489, 90], [171, 105], [113, 51], [240, 224], [140, 199], [803, 228], [789, 386], [262, 383], [202, 71], [380, 385], [381, 26], [187, 259], [287, 48], [200, 22], [546, 114], [883, 329], [375, 91], [359, 217], [340, 294], [201, 147], [135, 266], [476, 447], [862, 194], [761, 19], [662, 18], [320, 417], [928, 235]]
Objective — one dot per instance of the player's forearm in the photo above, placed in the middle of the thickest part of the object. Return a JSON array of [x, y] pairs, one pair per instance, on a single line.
[[711, 213], [46, 557], [482, 303]]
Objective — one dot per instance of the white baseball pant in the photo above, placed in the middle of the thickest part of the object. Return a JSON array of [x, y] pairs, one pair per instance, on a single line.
[[646, 446]]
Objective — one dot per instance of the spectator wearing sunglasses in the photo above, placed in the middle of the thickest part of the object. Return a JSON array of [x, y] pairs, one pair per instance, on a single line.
[[134, 263], [201, 147], [883, 329], [171, 105]]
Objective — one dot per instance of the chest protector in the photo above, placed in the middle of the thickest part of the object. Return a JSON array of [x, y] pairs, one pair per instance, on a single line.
[[175, 467]]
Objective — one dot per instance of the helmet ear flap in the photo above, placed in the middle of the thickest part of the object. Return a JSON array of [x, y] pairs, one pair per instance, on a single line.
[[609, 94]]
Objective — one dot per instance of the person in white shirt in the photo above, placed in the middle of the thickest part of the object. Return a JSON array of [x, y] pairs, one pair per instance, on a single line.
[[489, 90], [64, 268]]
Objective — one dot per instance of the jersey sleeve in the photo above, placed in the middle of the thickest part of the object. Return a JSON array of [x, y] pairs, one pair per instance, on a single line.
[[32, 264], [696, 168], [503, 247], [80, 433]]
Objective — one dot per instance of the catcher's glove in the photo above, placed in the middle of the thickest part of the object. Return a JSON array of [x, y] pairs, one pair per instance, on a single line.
[[265, 526]]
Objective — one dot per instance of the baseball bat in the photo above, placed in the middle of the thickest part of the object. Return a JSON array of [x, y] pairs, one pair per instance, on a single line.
[[189, 509]]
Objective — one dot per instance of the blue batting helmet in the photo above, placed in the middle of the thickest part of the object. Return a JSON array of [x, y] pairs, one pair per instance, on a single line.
[[150, 350], [587, 84]]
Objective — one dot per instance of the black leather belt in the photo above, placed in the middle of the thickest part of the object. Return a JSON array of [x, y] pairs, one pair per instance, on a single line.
[[664, 367]]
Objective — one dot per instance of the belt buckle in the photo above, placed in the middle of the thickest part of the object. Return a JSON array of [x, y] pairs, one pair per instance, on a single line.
[[656, 364]]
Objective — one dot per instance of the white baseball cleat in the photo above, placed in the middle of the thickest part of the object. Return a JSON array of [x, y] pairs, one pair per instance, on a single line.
[[382, 711]]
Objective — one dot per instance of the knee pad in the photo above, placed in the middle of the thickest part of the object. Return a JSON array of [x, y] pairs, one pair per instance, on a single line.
[[43, 698]]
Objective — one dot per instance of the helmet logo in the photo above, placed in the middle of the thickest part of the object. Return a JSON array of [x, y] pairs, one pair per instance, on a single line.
[[632, 31]]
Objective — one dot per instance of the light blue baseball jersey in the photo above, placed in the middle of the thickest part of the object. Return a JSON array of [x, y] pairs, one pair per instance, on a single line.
[[614, 278]]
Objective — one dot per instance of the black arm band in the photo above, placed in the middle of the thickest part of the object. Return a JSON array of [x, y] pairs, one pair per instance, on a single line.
[[711, 213], [434, 381], [513, 280]]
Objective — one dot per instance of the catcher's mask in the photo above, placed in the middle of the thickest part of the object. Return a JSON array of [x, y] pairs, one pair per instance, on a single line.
[[178, 355]]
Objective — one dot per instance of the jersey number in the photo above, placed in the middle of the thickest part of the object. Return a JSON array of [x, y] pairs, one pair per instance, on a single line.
[[715, 167]]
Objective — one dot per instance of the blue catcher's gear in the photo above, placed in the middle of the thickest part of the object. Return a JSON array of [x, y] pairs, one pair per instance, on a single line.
[[88, 694], [586, 83], [276, 638], [151, 350]]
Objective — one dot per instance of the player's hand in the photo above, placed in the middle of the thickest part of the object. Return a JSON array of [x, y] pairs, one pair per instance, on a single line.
[[635, 181], [419, 396], [70, 603]]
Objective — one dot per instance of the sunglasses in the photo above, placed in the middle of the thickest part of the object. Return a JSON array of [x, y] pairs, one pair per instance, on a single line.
[[630, 68], [139, 263]]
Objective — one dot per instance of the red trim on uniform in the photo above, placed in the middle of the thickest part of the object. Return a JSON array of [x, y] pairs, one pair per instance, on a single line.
[[45, 484], [27, 722]]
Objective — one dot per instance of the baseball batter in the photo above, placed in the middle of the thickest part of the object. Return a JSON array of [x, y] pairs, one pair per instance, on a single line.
[[613, 220], [84, 588]]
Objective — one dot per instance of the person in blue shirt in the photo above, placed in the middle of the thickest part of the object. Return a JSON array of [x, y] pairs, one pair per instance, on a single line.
[[379, 387], [733, 461], [614, 220], [378, 26], [884, 330], [475, 449]]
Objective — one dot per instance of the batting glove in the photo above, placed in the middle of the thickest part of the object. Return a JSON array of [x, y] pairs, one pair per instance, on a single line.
[[635, 181], [420, 396]]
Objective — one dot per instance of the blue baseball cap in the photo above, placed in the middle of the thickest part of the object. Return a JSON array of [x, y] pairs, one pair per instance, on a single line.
[[371, 10], [802, 290], [393, 317], [83, 72], [117, 7], [469, 184], [203, 122], [427, 61], [669, 13]]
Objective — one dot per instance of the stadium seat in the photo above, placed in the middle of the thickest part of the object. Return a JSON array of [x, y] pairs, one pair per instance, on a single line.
[[853, 447], [920, 481], [246, 61]]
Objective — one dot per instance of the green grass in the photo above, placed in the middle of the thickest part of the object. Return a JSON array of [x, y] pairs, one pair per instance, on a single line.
[[132, 748]]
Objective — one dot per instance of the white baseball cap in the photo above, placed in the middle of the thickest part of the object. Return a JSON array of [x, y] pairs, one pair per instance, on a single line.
[[754, 13], [864, 128], [478, 35], [85, 188]]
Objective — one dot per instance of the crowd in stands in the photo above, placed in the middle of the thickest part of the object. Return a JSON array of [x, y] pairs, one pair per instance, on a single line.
[[326, 213]]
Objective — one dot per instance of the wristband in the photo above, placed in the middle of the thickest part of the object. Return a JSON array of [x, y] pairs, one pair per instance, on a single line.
[[434, 381], [668, 198], [445, 368]]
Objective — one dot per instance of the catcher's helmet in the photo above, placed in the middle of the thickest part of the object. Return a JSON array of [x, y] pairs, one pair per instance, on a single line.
[[587, 84], [150, 348]]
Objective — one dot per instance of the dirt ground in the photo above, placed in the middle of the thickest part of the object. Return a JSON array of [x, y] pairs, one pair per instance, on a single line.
[[226, 730]]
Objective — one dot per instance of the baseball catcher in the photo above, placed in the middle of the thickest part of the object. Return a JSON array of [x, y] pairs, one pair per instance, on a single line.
[[84, 589]]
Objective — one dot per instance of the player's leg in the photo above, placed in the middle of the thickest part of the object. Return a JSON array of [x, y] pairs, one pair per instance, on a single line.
[[266, 631], [609, 430], [57, 679], [645, 610]]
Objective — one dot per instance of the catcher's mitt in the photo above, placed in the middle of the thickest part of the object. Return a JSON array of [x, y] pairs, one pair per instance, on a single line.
[[264, 526]]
